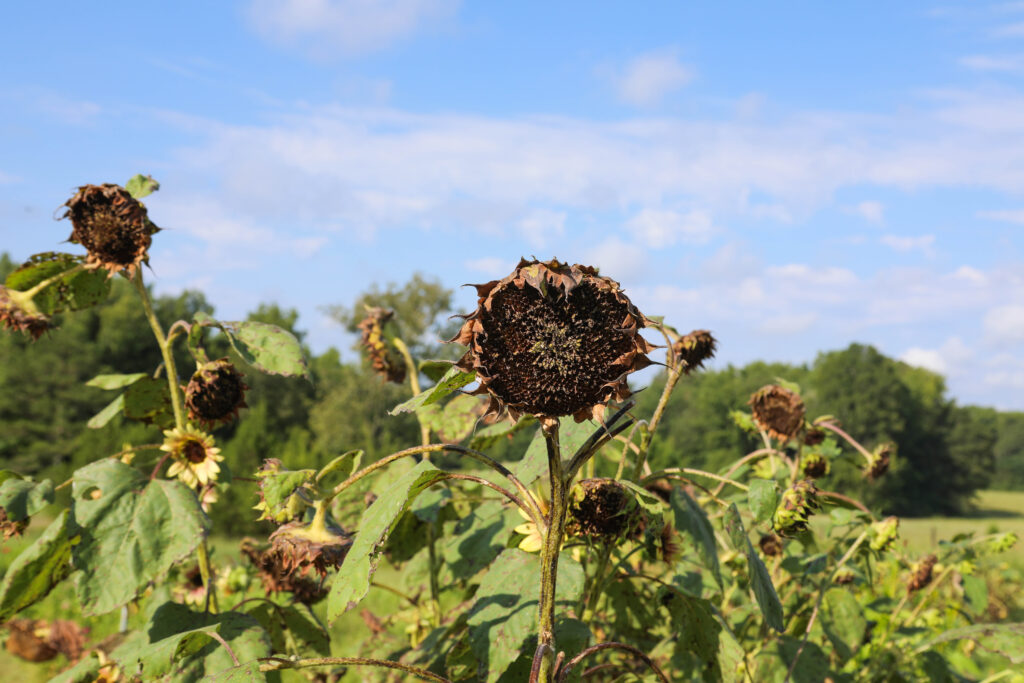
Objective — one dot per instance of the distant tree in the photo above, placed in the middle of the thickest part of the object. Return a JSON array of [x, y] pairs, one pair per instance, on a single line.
[[1009, 452]]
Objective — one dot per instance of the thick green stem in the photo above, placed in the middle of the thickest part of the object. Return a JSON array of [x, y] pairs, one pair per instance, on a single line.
[[165, 350], [549, 556]]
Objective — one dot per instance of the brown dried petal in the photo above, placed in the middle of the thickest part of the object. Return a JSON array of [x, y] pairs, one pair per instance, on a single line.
[[693, 349], [922, 574], [553, 340], [15, 317]]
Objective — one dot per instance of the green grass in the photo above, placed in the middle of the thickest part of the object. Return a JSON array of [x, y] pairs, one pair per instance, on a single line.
[[996, 511]]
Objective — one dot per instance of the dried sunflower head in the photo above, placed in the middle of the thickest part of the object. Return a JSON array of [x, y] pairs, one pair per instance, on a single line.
[[794, 511], [814, 465], [299, 547], [552, 340], [884, 534], [113, 226], [381, 357], [195, 456], [771, 545], [603, 509], [277, 579], [878, 464], [20, 313], [9, 527], [921, 573], [693, 349], [215, 393], [778, 411]]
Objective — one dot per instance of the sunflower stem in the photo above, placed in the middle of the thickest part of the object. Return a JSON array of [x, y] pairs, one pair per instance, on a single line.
[[549, 557], [165, 350], [648, 433]]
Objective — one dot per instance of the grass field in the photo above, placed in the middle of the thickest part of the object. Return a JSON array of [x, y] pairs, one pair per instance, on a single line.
[[996, 511]]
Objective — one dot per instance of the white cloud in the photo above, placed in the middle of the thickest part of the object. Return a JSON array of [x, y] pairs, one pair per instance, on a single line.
[[903, 243], [623, 262], [929, 359], [1015, 30], [1008, 216], [8, 179], [993, 62], [970, 275], [647, 79], [490, 266], [659, 228], [951, 358], [1005, 325], [348, 27], [541, 225], [871, 211]]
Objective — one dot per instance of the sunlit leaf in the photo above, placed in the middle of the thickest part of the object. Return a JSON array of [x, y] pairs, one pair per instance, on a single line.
[[37, 569], [139, 186]]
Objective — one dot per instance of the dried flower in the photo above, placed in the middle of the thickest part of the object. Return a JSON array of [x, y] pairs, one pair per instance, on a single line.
[[18, 312], [693, 349], [669, 546], [10, 527], [195, 456], [778, 411], [771, 545], [813, 436], [215, 393], [798, 503], [552, 340], [113, 226], [814, 465], [884, 534], [844, 576], [921, 573], [277, 579], [603, 509], [878, 463], [382, 359], [38, 640]]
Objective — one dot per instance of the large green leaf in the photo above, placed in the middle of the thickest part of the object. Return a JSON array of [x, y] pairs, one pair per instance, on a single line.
[[73, 292], [297, 620], [478, 538], [1003, 639], [760, 579], [353, 578], [506, 611], [691, 518], [149, 400], [267, 347], [452, 381], [703, 642], [37, 569], [763, 497], [843, 621], [112, 410], [487, 436], [455, 421], [132, 531], [22, 498], [571, 435]]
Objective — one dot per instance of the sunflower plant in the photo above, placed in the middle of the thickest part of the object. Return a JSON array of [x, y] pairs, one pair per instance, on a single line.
[[575, 560]]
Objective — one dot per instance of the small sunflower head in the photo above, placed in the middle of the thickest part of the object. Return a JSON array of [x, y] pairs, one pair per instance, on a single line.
[[814, 465], [113, 226], [921, 573], [382, 359], [878, 463], [794, 511], [771, 545], [19, 313], [194, 456], [778, 411], [215, 393], [884, 534], [603, 509], [552, 340], [300, 547], [693, 349]]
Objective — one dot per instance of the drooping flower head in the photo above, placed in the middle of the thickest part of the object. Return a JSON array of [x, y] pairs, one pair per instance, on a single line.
[[113, 226], [215, 393], [884, 534], [921, 573], [878, 463], [778, 411], [693, 349], [793, 513], [382, 359], [195, 456], [20, 313], [551, 340], [814, 465], [603, 509]]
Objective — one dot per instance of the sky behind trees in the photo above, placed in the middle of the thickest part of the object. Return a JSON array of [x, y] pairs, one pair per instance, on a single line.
[[794, 177]]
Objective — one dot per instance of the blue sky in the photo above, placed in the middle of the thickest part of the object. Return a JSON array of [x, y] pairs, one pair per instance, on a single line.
[[793, 176]]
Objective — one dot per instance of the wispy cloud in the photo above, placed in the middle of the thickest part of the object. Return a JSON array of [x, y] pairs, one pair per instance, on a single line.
[[326, 28], [906, 243], [1007, 63], [1005, 215], [647, 79], [871, 211], [658, 228]]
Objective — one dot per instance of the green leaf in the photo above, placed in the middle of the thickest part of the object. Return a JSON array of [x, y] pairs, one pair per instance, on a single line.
[[506, 609], [453, 380], [763, 497], [298, 620], [456, 420], [976, 593], [73, 292], [491, 434], [243, 673], [353, 578], [571, 435], [37, 569], [84, 671], [1002, 639], [691, 517], [140, 186], [267, 347], [132, 531], [114, 381], [341, 467], [279, 487], [843, 621], [113, 409], [435, 369], [22, 498], [477, 539], [760, 579], [149, 400]]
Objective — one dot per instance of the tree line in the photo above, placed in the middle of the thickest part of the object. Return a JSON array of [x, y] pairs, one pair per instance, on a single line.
[[944, 452]]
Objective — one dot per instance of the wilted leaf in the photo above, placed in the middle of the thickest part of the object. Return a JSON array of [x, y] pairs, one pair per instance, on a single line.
[[1003, 639], [149, 400], [267, 348], [760, 579], [37, 569], [116, 510]]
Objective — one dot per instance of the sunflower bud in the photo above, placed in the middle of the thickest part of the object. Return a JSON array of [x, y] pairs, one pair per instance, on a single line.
[[884, 534], [814, 465], [878, 464], [603, 509], [113, 226], [18, 312], [771, 545], [215, 393], [921, 573], [693, 349], [382, 359], [798, 503], [778, 411], [552, 340]]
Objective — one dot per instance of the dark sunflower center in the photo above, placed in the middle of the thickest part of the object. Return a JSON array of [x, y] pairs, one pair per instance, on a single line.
[[194, 451], [216, 397], [555, 349], [110, 238]]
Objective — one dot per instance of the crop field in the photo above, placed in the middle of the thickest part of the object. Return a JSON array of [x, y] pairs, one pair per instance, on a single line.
[[998, 511]]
